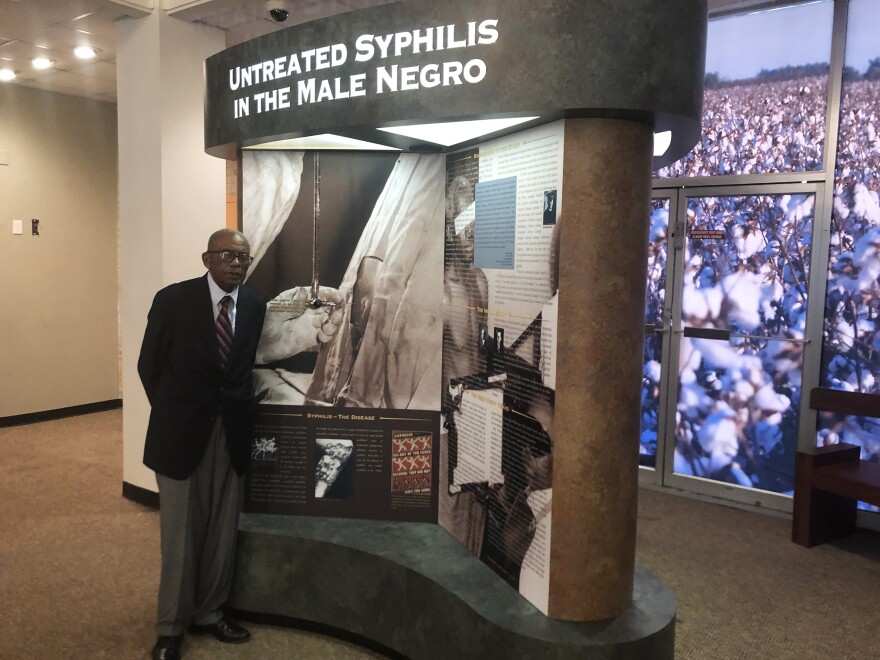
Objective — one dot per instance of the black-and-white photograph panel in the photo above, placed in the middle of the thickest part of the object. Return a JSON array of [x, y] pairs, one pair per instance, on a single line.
[[499, 353], [264, 448], [348, 249], [334, 469]]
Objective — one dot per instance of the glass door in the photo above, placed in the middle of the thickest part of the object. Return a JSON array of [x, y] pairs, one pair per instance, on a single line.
[[658, 314], [725, 393]]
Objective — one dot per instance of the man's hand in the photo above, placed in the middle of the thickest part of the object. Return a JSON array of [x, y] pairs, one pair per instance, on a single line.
[[292, 326]]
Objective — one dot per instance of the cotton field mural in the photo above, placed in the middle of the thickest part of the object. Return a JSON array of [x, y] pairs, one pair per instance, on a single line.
[[740, 339], [851, 341], [764, 104], [737, 410]]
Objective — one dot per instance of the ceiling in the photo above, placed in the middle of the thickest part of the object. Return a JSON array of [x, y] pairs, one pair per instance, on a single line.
[[53, 28]]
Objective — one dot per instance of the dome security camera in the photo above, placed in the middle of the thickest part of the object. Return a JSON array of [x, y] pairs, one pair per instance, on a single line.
[[278, 10]]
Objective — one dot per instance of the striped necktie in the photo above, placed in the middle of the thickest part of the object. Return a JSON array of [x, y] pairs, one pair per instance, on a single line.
[[224, 331]]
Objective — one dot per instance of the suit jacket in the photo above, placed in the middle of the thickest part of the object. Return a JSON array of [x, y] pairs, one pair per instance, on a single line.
[[179, 366]]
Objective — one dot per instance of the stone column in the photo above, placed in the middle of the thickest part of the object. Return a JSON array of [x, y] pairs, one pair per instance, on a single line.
[[603, 252]]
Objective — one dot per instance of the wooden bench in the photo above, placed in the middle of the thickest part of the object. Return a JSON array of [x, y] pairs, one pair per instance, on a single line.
[[830, 481]]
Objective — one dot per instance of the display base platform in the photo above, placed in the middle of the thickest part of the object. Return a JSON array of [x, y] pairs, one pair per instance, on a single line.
[[414, 590]]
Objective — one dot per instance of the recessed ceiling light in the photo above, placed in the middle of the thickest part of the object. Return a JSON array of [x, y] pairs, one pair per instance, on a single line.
[[41, 62], [6, 75], [84, 52], [449, 133]]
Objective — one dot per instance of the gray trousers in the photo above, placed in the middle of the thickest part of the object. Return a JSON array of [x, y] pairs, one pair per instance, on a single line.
[[198, 519]]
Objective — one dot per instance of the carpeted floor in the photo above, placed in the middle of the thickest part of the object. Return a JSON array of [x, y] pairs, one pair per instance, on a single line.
[[79, 565]]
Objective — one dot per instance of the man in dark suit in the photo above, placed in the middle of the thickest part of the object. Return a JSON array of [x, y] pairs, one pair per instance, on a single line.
[[196, 366]]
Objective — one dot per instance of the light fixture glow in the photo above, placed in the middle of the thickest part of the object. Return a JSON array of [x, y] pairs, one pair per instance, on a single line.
[[326, 141], [84, 52], [6, 75], [662, 142], [41, 62], [450, 133]]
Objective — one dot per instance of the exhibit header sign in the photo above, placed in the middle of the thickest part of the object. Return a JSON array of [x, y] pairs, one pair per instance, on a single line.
[[308, 77], [424, 62]]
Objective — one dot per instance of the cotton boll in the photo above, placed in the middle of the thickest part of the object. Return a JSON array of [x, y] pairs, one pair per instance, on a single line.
[[842, 211], [838, 384], [748, 241], [720, 439], [867, 258], [659, 224], [652, 371], [844, 334], [690, 399], [866, 203], [693, 304], [770, 400], [775, 418], [797, 314], [826, 437], [742, 291], [803, 209], [717, 354], [743, 390], [771, 292]]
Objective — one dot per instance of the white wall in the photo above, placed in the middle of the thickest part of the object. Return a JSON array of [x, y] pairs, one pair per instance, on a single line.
[[172, 195]]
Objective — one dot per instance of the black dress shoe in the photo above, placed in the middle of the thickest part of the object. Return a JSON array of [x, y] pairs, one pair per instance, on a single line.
[[225, 630], [167, 648]]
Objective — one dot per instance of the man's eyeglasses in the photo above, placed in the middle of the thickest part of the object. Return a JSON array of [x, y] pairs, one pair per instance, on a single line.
[[228, 256]]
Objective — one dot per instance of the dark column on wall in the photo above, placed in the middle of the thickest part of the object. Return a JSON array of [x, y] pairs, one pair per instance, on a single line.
[[604, 226]]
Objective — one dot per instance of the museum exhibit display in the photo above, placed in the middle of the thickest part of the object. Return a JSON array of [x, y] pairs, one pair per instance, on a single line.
[[451, 368]]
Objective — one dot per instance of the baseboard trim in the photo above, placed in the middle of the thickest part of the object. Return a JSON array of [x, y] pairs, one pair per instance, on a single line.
[[60, 413], [140, 495]]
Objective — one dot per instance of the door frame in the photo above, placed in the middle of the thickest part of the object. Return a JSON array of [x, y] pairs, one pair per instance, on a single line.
[[662, 475]]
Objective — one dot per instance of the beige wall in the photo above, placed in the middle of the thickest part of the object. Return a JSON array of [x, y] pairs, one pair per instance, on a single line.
[[58, 306]]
